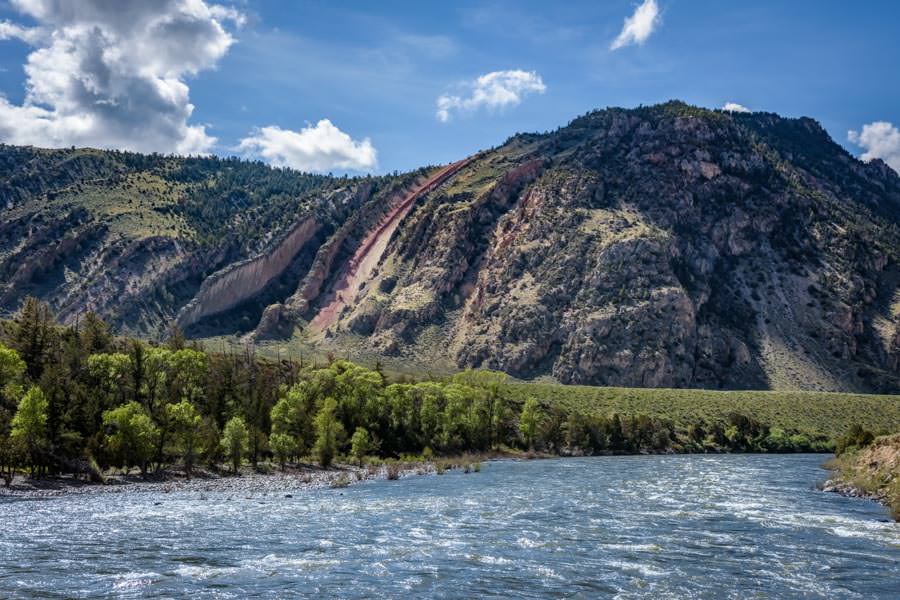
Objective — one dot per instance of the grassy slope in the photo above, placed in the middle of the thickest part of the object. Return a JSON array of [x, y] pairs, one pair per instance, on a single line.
[[829, 414], [816, 413]]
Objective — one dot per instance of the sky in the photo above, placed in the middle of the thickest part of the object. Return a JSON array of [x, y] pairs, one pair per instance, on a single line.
[[376, 87]]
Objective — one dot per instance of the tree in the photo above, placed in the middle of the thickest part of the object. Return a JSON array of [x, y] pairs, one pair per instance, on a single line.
[[132, 434], [111, 372], [616, 435], [12, 452], [32, 334], [12, 371], [29, 426], [530, 421], [234, 441], [329, 432], [577, 432], [187, 430], [454, 421], [429, 396], [284, 446], [292, 422], [361, 444]]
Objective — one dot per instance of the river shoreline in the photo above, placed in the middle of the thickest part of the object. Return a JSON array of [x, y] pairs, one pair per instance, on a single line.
[[299, 477], [248, 483], [871, 472]]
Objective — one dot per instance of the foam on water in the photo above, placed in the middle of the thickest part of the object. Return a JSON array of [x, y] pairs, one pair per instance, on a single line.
[[626, 527]]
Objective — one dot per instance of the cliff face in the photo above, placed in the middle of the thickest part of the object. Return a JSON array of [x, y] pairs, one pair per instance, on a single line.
[[660, 246], [238, 282]]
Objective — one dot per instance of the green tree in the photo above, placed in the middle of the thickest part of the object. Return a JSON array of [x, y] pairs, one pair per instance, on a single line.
[[329, 432], [577, 431], [235, 439], [361, 444], [616, 435], [12, 372], [12, 453], [29, 426], [292, 421], [284, 447], [131, 437], [187, 432], [454, 420], [33, 335], [429, 396], [111, 372], [530, 421]]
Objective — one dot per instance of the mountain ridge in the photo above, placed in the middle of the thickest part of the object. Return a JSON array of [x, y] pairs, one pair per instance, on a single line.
[[661, 246]]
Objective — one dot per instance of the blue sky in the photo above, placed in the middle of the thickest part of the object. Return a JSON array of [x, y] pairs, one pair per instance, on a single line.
[[375, 71]]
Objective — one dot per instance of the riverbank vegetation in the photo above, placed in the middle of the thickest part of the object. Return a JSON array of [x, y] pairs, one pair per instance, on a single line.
[[76, 399], [869, 465]]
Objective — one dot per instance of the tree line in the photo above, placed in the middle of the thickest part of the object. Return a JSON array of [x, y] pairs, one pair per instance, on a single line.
[[78, 399]]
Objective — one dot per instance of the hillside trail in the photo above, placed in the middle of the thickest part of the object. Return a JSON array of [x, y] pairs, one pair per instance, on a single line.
[[360, 266]]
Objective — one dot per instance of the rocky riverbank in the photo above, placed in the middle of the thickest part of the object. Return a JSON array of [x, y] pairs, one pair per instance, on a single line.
[[871, 472], [248, 482]]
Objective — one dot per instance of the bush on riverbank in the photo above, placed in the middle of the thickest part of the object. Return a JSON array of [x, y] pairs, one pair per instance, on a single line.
[[871, 469]]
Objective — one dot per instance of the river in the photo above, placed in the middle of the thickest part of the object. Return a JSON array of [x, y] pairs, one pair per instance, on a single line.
[[728, 526]]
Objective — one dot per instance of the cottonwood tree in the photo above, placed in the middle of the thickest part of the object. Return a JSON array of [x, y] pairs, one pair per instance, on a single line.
[[329, 432], [361, 444], [29, 426], [234, 441], [292, 422], [131, 435], [187, 432], [530, 422]]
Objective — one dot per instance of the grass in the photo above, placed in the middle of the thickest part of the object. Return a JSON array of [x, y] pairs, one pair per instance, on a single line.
[[817, 413], [130, 207], [827, 414], [874, 470]]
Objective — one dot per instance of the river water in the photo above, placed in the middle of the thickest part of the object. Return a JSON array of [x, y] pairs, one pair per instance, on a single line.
[[733, 526]]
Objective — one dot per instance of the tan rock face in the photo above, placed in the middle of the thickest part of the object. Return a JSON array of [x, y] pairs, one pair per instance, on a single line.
[[236, 283]]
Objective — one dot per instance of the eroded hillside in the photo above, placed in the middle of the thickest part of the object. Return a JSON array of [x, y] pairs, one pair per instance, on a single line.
[[665, 246]]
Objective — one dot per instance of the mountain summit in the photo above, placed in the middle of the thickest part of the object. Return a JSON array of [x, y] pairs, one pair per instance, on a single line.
[[662, 246]]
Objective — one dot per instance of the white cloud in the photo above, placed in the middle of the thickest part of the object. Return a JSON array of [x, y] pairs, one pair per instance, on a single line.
[[639, 26], [880, 140], [735, 107], [321, 148], [112, 74], [494, 90]]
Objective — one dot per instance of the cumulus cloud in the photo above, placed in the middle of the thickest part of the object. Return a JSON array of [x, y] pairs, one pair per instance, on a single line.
[[494, 90], [639, 26], [735, 107], [321, 147], [880, 139], [111, 74]]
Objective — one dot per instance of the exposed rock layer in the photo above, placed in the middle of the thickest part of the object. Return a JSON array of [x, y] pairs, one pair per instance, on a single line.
[[665, 246]]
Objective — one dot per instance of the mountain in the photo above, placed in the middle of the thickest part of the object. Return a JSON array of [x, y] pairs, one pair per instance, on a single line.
[[662, 246]]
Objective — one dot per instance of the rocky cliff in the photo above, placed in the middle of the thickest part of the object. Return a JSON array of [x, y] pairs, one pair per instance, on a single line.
[[664, 246]]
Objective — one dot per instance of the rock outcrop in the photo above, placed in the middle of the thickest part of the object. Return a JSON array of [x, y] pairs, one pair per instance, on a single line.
[[664, 246], [229, 287]]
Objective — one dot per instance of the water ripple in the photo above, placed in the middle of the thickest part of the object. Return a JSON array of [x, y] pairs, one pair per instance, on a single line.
[[617, 527]]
